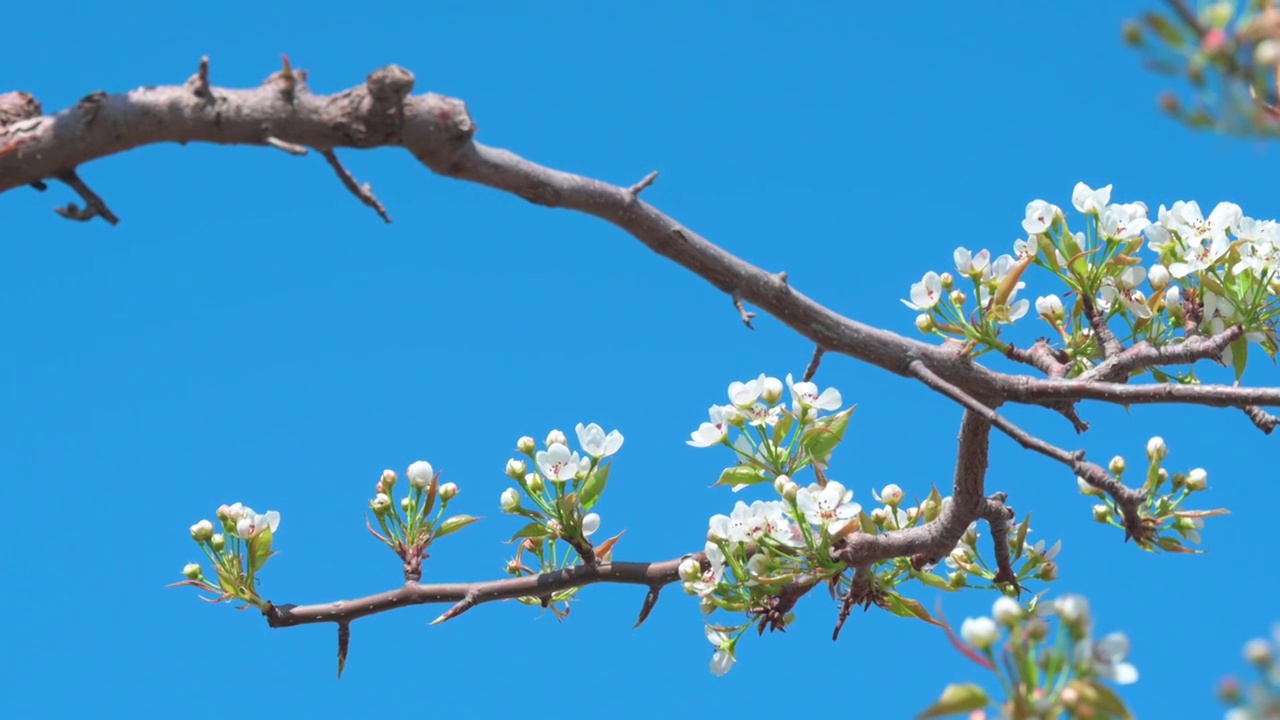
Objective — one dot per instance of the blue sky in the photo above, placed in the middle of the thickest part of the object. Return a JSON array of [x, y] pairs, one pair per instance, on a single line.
[[251, 332]]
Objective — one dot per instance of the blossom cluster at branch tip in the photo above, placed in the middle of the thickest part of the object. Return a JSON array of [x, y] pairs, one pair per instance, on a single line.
[[1223, 268], [236, 554]]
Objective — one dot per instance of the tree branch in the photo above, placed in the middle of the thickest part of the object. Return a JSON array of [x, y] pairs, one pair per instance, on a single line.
[[651, 575], [438, 131]]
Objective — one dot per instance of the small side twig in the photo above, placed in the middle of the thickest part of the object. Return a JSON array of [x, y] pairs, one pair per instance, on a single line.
[[743, 312], [94, 205], [650, 600], [645, 182], [812, 370], [199, 83], [998, 515], [1265, 421], [364, 193], [467, 602]]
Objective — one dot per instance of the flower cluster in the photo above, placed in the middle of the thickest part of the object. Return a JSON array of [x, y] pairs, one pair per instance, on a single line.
[[1261, 699], [1208, 274], [237, 553], [1161, 512], [1045, 672], [765, 550], [409, 527], [562, 486]]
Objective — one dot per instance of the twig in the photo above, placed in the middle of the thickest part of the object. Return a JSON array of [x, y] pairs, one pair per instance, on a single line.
[[1144, 355], [812, 370], [998, 516], [469, 595], [199, 83], [645, 182], [94, 206], [1265, 421], [743, 312], [1107, 341], [1041, 356], [277, 143], [362, 192]]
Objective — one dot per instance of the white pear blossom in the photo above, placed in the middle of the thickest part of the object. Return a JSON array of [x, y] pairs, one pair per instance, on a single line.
[[744, 394], [596, 443], [759, 414], [1040, 553], [1023, 249], [1006, 611], [1106, 656], [1040, 216], [831, 507], [926, 293], [420, 474], [1158, 276], [968, 264], [1074, 609], [1124, 222], [556, 462], [252, 523], [714, 432], [1087, 200], [713, 574], [980, 632], [1123, 289], [722, 661], [806, 395], [1049, 307]]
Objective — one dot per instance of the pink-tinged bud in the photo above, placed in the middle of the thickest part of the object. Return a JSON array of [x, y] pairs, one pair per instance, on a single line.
[[380, 504], [525, 445], [891, 495], [1214, 41], [202, 531], [448, 491], [388, 479]]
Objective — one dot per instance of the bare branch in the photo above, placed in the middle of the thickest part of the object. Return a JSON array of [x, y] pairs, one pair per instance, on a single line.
[[645, 182], [1265, 421], [291, 148], [364, 193], [1144, 355], [812, 370], [743, 312], [468, 595], [94, 206]]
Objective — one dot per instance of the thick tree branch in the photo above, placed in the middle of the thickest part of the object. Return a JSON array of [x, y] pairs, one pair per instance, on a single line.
[[1118, 368], [438, 131], [651, 575]]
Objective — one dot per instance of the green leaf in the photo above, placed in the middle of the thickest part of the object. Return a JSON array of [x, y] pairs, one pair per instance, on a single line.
[[908, 608], [957, 699], [783, 426], [532, 530], [1023, 529], [594, 486], [933, 580], [259, 549], [1108, 701], [1239, 355], [825, 434], [742, 475], [454, 524]]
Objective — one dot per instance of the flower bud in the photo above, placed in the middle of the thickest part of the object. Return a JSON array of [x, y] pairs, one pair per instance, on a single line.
[[1158, 276], [510, 500], [980, 632], [1049, 307], [448, 491], [1266, 53], [891, 495], [878, 517], [217, 542], [1074, 610], [958, 298], [1070, 697], [1048, 571], [970, 536], [1229, 690], [1156, 449], [420, 474], [790, 490], [708, 605], [554, 437], [924, 323], [525, 445], [946, 280], [961, 555], [690, 570], [1197, 480], [780, 482], [1006, 611], [1258, 652], [388, 480], [1101, 513], [192, 571], [405, 504], [533, 481], [1173, 301], [931, 509], [772, 390], [516, 468], [380, 504], [1116, 466], [202, 531], [958, 579], [1086, 488]]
